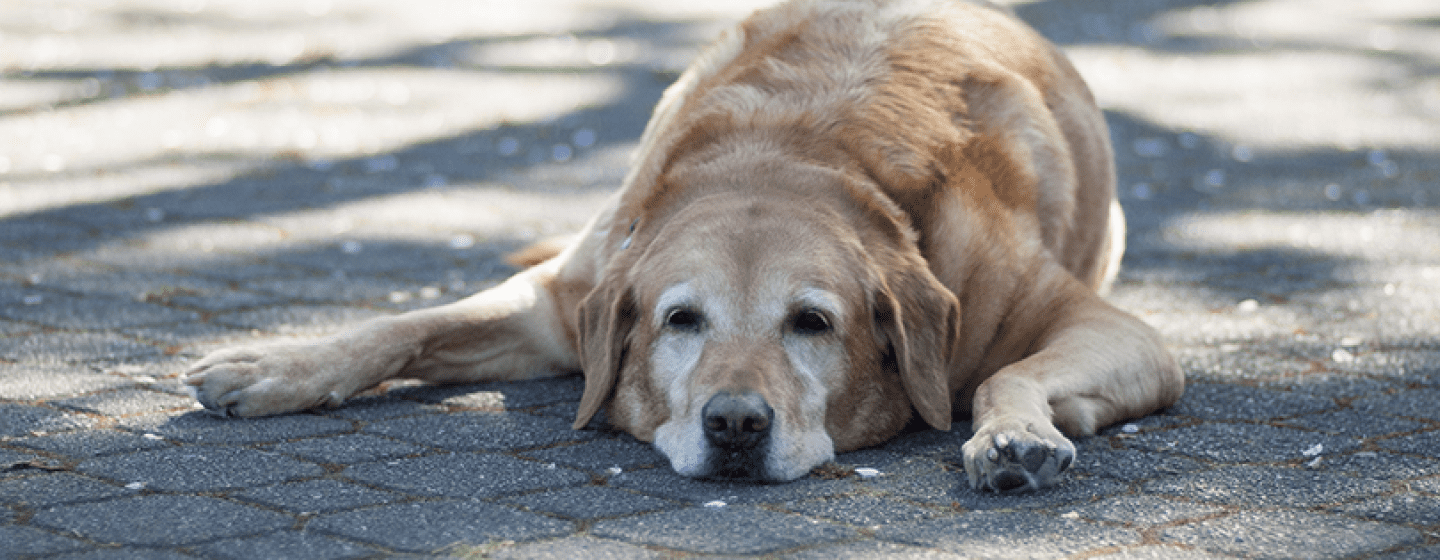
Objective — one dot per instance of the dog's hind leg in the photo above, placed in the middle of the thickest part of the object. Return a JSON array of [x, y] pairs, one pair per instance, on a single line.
[[518, 330]]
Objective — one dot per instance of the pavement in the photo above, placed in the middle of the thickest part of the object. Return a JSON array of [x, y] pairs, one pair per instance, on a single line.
[[177, 176]]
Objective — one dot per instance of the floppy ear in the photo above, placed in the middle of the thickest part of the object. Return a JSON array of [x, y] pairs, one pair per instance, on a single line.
[[606, 317], [920, 319]]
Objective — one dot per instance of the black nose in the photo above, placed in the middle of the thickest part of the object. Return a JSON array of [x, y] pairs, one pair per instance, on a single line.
[[737, 420]]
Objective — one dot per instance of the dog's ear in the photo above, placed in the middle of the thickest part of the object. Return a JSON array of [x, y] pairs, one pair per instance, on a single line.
[[606, 318], [919, 318]]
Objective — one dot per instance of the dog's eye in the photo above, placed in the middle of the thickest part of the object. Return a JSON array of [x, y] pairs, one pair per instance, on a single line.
[[810, 322], [684, 318]]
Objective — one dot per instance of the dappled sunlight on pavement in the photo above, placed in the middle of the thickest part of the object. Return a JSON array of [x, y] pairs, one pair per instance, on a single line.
[[182, 175]]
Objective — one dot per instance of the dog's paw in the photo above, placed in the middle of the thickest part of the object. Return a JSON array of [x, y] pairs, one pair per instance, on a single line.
[[1012, 456], [261, 380]]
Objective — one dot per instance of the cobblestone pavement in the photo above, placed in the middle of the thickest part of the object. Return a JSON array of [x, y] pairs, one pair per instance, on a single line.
[[181, 175]]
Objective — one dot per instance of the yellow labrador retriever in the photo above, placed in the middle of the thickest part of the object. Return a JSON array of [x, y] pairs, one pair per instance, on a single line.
[[843, 214]]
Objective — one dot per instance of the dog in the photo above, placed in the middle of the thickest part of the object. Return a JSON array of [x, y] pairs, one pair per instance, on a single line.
[[843, 216]]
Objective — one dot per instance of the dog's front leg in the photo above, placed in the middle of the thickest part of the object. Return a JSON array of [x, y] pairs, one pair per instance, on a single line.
[[1095, 365], [516, 330]]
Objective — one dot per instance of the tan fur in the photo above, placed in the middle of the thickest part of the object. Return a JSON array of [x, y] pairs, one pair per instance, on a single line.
[[931, 176]]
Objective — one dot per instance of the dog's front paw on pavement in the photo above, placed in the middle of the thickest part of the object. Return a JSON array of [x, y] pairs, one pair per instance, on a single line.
[[260, 380], [1016, 456]]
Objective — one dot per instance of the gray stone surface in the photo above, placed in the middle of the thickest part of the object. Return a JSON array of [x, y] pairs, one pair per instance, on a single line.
[[722, 530], [465, 475], [285, 544], [180, 177], [994, 534], [479, 431], [591, 502], [199, 468], [347, 449], [159, 520], [317, 496], [433, 526], [1292, 534]]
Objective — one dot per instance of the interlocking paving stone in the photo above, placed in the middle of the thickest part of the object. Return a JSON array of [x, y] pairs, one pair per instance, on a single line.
[[1403, 508], [195, 468], [1422, 553], [992, 534], [70, 312], [1156, 552], [348, 449], [126, 402], [51, 348], [1423, 443], [1142, 510], [867, 550], [14, 463], [1379, 465], [158, 288], [577, 547], [603, 454], [428, 527], [1095, 457], [1431, 485], [590, 502], [371, 408], [34, 382], [316, 290], [91, 443], [1332, 385], [125, 553], [160, 520], [285, 545], [480, 431], [27, 540], [1415, 403], [300, 320], [317, 496], [56, 488], [1354, 423], [201, 427], [20, 420], [1240, 443], [862, 510], [465, 475], [664, 483], [502, 395], [1291, 487], [721, 530], [1291, 534], [1237, 402]]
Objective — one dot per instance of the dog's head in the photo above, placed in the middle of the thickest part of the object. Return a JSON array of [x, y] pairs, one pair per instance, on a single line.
[[752, 334]]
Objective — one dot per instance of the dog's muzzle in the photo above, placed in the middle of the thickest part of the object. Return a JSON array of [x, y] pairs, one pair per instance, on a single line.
[[737, 426]]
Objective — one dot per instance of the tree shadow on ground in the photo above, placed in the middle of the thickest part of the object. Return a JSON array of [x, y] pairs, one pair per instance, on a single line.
[[1165, 175]]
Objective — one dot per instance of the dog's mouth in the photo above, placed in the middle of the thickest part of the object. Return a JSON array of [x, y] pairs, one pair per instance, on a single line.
[[737, 466], [737, 428]]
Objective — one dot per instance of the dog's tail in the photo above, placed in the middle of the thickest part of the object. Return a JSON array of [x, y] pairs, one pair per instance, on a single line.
[[539, 251]]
